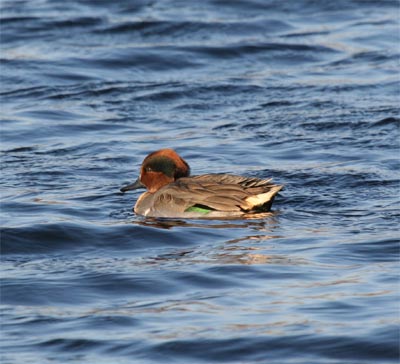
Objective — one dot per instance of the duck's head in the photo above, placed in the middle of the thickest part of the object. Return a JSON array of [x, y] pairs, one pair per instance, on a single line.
[[159, 169]]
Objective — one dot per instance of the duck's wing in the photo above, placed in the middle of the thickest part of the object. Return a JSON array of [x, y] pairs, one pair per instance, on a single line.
[[215, 192], [182, 198], [229, 179]]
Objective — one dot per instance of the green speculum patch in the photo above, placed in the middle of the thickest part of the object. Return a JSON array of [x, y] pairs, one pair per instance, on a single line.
[[202, 209]]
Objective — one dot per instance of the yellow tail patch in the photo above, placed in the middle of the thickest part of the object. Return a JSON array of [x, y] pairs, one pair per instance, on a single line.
[[261, 199]]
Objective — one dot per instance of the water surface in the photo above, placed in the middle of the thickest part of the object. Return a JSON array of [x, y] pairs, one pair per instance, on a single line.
[[306, 92]]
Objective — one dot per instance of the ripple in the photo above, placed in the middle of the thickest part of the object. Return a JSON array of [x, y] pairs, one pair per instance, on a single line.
[[301, 91]]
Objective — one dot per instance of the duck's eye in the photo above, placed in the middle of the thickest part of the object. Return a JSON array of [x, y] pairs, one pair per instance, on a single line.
[[149, 169]]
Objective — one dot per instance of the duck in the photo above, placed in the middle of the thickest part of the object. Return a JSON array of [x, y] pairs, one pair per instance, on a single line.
[[173, 193]]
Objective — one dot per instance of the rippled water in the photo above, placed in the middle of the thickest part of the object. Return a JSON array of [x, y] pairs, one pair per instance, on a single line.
[[306, 92]]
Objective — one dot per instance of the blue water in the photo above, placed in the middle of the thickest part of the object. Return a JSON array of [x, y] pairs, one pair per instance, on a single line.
[[306, 92]]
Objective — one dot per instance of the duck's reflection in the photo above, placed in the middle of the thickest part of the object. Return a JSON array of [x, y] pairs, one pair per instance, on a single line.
[[249, 221], [247, 249]]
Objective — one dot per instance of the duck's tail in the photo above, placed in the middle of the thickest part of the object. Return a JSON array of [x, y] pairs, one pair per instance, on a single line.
[[262, 201]]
